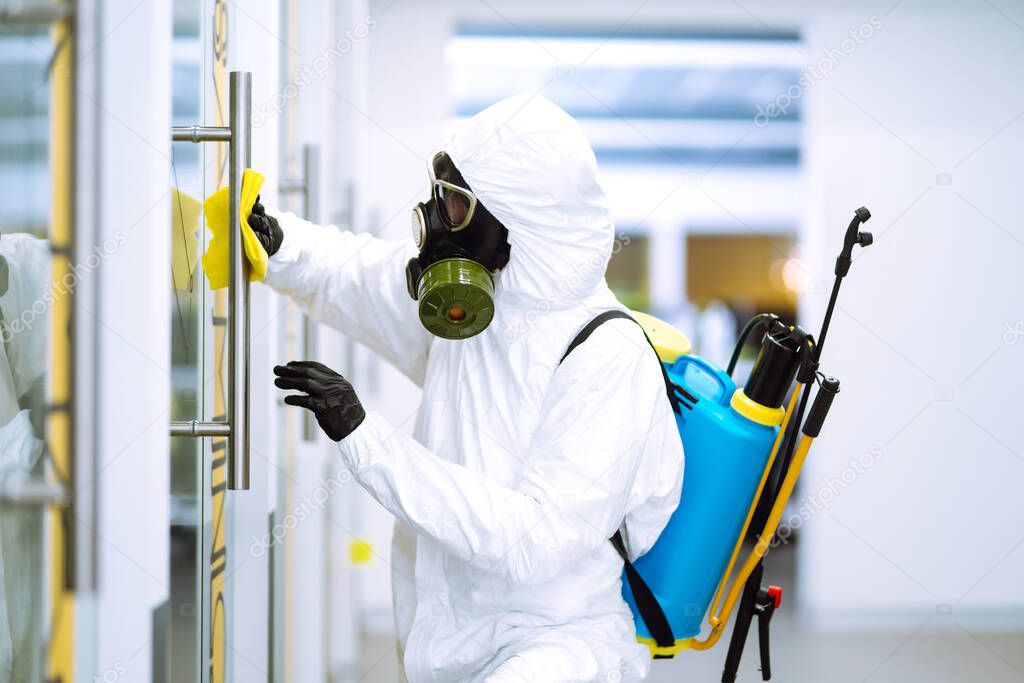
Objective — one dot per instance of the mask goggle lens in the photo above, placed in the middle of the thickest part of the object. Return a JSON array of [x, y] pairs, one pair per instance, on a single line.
[[455, 204]]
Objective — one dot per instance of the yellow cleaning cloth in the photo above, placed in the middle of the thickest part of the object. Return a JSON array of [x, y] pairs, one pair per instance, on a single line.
[[215, 260], [184, 244]]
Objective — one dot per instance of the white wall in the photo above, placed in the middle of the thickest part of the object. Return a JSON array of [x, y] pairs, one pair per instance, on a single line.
[[252, 48], [929, 379], [128, 105], [305, 466], [933, 520], [402, 124]]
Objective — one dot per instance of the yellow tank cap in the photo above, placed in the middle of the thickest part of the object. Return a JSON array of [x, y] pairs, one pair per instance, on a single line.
[[755, 412], [670, 651], [669, 342]]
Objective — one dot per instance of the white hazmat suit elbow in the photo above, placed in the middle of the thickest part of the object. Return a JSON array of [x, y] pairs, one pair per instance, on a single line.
[[519, 469]]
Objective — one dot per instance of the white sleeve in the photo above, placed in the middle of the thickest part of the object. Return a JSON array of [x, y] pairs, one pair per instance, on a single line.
[[355, 283], [602, 404]]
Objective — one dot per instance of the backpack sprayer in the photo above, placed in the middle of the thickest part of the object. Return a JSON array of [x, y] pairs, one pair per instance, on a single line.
[[744, 452]]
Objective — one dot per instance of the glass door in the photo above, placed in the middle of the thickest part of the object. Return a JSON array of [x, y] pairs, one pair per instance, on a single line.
[[198, 556], [221, 607]]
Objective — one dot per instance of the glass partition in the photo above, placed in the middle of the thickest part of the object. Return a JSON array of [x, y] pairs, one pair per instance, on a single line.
[[30, 110], [188, 304]]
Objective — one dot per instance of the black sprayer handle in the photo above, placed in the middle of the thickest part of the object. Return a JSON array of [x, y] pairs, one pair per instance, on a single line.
[[819, 409]]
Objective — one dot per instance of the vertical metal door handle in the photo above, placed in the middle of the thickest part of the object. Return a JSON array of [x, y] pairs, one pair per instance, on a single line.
[[240, 112], [235, 429]]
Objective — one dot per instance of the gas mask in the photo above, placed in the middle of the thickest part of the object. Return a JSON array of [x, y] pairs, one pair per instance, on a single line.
[[461, 248]]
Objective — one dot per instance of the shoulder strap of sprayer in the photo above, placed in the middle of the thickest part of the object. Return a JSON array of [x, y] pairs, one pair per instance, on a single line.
[[650, 611], [675, 393]]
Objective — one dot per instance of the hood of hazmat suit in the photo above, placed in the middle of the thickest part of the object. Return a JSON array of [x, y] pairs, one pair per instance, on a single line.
[[519, 469]]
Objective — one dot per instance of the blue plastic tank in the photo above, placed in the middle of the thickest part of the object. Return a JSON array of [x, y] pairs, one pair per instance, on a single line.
[[726, 452]]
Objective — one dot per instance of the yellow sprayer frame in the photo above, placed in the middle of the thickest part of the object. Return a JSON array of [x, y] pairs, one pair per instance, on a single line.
[[718, 620]]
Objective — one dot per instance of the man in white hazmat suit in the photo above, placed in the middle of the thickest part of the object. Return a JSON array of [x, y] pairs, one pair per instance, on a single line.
[[521, 467]]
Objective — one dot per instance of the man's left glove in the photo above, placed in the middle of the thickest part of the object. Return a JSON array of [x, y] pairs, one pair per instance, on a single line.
[[329, 395]]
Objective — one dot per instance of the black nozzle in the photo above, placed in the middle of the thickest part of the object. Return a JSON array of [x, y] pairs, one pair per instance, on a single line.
[[853, 236]]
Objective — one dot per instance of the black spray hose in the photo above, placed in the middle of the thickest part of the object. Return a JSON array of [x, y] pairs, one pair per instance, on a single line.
[[765, 319]]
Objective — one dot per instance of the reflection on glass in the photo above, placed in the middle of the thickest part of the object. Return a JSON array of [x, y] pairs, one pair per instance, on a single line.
[[186, 308], [26, 296]]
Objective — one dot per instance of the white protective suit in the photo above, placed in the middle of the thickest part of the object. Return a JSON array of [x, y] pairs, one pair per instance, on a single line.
[[519, 470]]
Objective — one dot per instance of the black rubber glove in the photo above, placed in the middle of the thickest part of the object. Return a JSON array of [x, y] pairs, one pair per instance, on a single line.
[[267, 229], [329, 395]]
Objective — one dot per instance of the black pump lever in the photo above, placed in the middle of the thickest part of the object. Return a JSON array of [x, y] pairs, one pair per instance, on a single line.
[[756, 602], [744, 615], [768, 600]]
